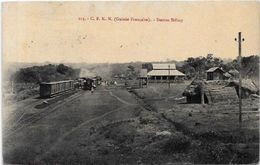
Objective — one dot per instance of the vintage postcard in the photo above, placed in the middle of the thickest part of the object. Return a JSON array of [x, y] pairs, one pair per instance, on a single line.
[[173, 82]]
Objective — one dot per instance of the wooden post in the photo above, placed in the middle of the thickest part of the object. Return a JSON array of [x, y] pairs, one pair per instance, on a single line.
[[202, 93], [146, 81], [240, 80]]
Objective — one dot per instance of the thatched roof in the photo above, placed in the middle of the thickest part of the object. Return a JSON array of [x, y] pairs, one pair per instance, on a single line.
[[233, 72], [218, 91], [216, 83], [223, 94], [246, 84], [215, 91], [227, 74]]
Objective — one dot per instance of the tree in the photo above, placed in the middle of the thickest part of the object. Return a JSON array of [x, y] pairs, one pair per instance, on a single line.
[[198, 66], [61, 68]]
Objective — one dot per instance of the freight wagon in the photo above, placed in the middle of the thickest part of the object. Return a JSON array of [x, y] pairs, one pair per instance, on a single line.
[[54, 88]]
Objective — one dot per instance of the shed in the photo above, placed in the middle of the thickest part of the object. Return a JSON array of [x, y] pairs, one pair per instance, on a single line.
[[214, 92], [215, 73]]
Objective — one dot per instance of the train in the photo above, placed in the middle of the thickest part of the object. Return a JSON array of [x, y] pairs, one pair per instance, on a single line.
[[50, 89]]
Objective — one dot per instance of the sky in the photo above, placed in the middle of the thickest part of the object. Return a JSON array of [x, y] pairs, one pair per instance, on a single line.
[[64, 31]]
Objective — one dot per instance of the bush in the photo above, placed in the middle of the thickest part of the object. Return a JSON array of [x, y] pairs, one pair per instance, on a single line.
[[177, 143], [208, 153]]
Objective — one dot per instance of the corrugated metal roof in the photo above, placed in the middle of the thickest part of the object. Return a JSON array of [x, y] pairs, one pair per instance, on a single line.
[[143, 73], [165, 73], [164, 66], [213, 69]]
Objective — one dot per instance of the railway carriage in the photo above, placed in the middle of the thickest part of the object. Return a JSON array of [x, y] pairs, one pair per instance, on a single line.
[[53, 88]]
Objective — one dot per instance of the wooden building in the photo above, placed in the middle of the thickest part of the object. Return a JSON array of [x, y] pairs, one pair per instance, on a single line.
[[164, 73], [215, 73]]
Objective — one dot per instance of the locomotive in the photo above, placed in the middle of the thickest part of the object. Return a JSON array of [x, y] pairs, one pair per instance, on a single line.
[[88, 83]]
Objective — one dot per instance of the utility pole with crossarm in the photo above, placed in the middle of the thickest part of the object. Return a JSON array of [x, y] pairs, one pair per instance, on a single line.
[[240, 40]]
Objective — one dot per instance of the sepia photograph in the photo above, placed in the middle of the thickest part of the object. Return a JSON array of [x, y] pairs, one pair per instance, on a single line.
[[130, 82]]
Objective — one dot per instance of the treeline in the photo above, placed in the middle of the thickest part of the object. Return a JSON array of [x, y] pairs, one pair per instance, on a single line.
[[198, 65], [192, 67], [45, 73], [128, 70]]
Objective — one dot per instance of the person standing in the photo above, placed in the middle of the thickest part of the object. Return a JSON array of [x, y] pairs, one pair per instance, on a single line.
[[92, 88]]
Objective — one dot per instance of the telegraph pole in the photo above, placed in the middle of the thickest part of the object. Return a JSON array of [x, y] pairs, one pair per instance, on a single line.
[[240, 40]]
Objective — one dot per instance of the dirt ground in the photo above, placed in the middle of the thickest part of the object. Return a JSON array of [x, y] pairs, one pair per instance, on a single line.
[[151, 125], [212, 130]]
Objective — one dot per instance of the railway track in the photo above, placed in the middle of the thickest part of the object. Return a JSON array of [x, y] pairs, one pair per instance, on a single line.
[[40, 157], [20, 113], [25, 121]]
